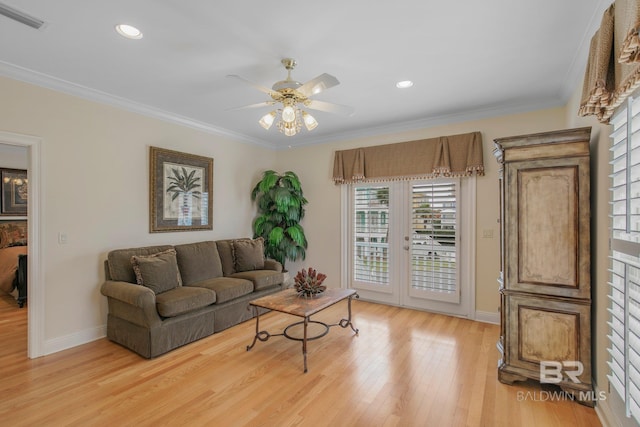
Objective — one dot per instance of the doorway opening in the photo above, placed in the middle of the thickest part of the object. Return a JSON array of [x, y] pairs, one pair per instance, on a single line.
[[35, 288]]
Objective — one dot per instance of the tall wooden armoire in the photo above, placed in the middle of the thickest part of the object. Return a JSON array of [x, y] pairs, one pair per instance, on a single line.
[[545, 289]]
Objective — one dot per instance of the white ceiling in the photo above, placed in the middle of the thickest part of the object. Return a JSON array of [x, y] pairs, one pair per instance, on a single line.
[[468, 58]]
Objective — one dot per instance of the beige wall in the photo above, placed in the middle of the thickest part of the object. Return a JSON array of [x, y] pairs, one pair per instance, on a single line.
[[314, 166], [95, 179]]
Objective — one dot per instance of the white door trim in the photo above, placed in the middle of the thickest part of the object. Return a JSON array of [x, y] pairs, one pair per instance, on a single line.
[[35, 274]]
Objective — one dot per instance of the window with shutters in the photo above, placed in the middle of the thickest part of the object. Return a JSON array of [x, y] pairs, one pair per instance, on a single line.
[[433, 230], [370, 257], [624, 293]]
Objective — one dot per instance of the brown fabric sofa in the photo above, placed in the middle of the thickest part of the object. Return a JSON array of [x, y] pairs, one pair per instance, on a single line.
[[163, 297]]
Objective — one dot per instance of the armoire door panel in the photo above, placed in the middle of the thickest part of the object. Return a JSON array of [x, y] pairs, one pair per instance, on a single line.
[[547, 241], [547, 335], [547, 329], [548, 226]]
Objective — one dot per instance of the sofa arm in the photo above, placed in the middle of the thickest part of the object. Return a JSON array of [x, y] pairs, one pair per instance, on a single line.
[[272, 264], [136, 304], [129, 293]]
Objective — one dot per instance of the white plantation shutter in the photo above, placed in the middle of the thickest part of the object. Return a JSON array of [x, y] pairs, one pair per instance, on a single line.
[[624, 284], [434, 224], [370, 234]]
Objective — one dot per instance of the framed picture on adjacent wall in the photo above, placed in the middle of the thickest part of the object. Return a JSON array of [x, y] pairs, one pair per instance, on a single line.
[[14, 192], [180, 190]]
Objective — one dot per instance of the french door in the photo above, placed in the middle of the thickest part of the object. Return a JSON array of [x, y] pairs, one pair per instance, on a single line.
[[406, 243]]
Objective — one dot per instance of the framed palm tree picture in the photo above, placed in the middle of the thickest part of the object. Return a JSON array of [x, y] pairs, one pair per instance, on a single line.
[[180, 189]]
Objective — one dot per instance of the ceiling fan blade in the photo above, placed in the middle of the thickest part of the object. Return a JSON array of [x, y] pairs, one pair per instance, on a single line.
[[255, 85], [258, 105], [330, 107], [318, 84]]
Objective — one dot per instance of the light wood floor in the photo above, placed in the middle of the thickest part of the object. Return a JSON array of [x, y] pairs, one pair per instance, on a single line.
[[406, 368]]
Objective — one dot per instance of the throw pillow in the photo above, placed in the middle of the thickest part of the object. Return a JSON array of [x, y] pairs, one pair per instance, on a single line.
[[158, 272], [249, 254]]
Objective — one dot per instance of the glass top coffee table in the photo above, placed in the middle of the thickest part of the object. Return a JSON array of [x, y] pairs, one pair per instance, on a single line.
[[289, 302]]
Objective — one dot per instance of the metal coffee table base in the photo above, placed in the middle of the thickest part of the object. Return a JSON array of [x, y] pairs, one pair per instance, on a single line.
[[264, 335]]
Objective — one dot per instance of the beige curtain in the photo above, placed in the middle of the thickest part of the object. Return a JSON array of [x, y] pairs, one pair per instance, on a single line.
[[454, 155], [627, 64], [613, 66], [599, 83], [628, 17]]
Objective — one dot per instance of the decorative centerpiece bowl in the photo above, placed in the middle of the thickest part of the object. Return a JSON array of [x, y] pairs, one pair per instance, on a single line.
[[308, 283]]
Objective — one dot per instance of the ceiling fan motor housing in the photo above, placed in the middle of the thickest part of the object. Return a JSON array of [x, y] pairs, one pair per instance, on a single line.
[[288, 83]]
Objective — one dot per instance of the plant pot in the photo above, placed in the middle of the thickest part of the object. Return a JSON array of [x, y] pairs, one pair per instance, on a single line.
[[287, 281]]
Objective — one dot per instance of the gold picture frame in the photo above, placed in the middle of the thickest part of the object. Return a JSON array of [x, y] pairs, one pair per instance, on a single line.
[[13, 192], [180, 191]]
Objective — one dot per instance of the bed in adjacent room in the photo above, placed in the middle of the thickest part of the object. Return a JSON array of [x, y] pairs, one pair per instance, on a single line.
[[13, 245]]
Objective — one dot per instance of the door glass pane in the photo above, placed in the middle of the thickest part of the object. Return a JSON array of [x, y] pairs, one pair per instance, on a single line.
[[433, 231], [371, 234]]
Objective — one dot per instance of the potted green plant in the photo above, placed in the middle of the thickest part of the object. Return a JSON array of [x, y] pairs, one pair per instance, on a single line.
[[280, 209]]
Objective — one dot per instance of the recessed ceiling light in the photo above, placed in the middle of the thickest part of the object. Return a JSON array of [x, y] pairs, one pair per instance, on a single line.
[[404, 84], [129, 31]]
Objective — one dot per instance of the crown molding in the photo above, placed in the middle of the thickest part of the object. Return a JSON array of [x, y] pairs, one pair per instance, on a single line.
[[445, 119], [43, 80], [59, 85]]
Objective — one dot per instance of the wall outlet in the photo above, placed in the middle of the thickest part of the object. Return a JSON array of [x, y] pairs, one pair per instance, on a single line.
[[487, 233]]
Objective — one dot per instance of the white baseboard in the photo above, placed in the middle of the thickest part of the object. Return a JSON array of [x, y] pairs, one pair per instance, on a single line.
[[73, 340], [488, 317], [603, 410], [611, 409]]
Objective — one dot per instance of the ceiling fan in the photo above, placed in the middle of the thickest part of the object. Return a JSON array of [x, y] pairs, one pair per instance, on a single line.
[[294, 96]]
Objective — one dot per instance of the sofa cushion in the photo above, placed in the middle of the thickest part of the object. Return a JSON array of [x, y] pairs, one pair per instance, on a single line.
[[225, 249], [198, 261], [119, 261], [226, 288], [248, 254], [182, 300], [158, 272], [262, 279]]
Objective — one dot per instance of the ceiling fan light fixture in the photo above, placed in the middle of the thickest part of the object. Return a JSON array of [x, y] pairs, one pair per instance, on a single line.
[[267, 120], [288, 114], [309, 121], [290, 131], [290, 128]]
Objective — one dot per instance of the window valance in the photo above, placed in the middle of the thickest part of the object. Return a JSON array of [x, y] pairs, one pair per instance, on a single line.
[[613, 66], [454, 155]]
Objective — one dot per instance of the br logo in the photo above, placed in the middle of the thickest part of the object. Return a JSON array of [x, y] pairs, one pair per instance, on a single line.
[[551, 372]]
